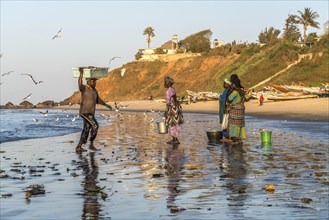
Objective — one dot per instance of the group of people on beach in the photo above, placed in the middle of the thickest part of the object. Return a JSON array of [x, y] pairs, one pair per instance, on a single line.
[[231, 103]]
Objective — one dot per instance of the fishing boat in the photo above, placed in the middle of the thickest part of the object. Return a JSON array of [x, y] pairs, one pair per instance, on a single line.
[[292, 97]]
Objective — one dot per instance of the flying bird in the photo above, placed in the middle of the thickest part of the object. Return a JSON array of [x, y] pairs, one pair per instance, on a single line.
[[45, 113], [58, 34], [7, 73], [27, 97], [32, 78], [113, 58]]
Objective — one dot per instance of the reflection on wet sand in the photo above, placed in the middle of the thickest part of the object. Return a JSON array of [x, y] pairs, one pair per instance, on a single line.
[[174, 159], [91, 207], [149, 179], [233, 172]]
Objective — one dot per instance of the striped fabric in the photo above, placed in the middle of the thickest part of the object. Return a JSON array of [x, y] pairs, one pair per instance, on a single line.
[[236, 122]]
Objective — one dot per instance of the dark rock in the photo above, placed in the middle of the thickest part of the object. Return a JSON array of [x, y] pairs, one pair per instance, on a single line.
[[26, 104], [306, 200], [9, 105], [46, 104]]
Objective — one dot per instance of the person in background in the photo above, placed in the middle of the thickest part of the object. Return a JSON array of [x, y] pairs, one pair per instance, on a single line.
[[89, 99], [173, 114], [261, 99], [222, 105]]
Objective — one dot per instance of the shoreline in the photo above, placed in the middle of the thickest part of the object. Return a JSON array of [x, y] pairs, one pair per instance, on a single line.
[[316, 109], [301, 110]]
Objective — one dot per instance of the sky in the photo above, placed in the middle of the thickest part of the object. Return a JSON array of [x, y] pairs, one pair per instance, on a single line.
[[95, 31]]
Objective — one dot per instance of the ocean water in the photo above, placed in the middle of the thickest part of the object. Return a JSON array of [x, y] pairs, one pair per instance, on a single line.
[[19, 124]]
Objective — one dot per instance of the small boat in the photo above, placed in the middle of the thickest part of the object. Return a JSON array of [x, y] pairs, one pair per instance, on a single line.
[[280, 88], [288, 98], [203, 95]]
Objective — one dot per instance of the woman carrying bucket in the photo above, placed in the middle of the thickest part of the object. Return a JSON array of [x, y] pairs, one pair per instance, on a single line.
[[173, 113]]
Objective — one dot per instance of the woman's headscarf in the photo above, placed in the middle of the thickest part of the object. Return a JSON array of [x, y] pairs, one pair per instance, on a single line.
[[235, 78], [169, 81], [236, 82]]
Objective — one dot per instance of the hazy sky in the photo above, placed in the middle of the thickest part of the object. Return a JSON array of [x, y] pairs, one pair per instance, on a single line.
[[95, 31]]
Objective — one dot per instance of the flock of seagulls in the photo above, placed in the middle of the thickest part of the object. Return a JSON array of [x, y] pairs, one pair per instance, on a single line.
[[36, 82], [56, 119], [7, 73]]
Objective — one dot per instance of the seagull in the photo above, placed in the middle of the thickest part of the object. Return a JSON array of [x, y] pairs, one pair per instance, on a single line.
[[45, 113], [58, 34], [7, 73], [27, 97], [117, 108], [113, 58], [32, 78]]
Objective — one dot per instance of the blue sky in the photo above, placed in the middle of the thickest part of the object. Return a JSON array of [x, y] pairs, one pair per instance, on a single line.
[[95, 31]]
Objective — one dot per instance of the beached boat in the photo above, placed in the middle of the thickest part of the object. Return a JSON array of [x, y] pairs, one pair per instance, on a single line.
[[292, 97], [203, 95], [280, 88]]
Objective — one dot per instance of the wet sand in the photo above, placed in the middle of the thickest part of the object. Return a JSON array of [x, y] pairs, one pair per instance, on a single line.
[[136, 175], [306, 109]]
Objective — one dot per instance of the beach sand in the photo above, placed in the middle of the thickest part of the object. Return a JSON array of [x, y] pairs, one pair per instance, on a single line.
[[305, 109]]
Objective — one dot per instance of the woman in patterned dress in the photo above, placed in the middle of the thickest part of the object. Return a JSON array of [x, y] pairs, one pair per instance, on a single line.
[[236, 121], [173, 113]]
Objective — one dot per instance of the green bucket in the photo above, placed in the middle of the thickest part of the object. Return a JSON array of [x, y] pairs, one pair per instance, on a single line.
[[266, 136], [267, 145]]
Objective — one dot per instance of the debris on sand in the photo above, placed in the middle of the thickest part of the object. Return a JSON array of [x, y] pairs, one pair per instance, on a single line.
[[34, 190], [270, 188]]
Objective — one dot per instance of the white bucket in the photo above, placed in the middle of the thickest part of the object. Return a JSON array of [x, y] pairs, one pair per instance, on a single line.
[[162, 128]]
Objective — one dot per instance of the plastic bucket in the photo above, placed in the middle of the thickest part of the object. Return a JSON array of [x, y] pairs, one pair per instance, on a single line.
[[267, 145], [162, 128], [214, 136], [266, 136]]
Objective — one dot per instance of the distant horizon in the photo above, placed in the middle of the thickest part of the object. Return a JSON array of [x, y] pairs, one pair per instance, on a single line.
[[116, 29]]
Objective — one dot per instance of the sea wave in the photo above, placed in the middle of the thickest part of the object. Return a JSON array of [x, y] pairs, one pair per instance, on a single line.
[[29, 124]]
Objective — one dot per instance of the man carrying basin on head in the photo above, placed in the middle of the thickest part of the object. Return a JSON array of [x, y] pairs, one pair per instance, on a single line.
[[89, 99]]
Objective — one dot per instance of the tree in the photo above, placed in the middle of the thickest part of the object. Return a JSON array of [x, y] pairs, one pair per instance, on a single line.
[[326, 27], [307, 19], [198, 42], [291, 31], [269, 35], [149, 31], [311, 37]]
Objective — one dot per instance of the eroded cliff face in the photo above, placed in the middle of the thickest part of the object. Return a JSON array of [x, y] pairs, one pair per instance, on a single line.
[[206, 73], [144, 79]]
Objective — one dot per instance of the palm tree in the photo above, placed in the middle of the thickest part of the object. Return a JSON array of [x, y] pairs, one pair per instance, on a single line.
[[149, 31], [307, 19]]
